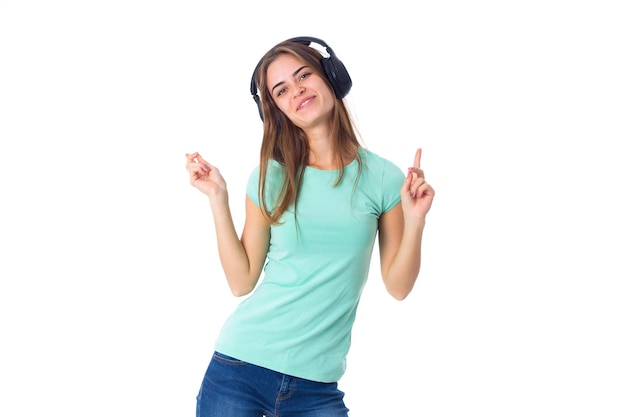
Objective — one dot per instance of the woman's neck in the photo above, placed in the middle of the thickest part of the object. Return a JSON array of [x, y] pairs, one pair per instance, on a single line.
[[322, 156]]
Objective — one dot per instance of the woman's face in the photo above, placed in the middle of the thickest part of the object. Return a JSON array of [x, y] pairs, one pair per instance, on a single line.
[[299, 92]]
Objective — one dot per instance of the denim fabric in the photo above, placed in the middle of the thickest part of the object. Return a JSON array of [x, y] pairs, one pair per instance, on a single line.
[[233, 388]]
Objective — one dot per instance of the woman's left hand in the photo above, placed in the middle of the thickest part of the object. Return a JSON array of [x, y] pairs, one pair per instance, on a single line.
[[417, 195]]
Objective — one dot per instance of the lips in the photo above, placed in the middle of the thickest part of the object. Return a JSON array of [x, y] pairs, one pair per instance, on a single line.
[[305, 102]]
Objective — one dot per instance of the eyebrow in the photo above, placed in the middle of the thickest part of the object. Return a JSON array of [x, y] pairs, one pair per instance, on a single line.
[[293, 75]]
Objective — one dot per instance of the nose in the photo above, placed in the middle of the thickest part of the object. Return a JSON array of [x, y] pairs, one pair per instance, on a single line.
[[298, 91]]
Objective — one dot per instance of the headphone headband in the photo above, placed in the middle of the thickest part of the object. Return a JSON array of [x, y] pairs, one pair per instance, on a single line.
[[333, 68]]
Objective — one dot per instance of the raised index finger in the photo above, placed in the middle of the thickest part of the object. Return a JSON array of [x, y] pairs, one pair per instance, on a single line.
[[418, 156]]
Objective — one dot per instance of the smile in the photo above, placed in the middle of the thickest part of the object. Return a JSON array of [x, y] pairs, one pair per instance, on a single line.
[[305, 102]]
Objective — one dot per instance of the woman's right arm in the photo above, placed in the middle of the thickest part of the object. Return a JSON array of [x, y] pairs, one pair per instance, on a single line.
[[242, 258]]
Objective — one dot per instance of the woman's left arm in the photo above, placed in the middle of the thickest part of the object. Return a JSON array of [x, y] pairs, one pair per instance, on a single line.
[[400, 233]]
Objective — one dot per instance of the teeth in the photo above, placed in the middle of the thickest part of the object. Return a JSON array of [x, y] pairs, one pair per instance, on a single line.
[[304, 102]]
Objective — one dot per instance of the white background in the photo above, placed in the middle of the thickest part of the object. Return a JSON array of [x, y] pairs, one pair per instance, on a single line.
[[111, 293]]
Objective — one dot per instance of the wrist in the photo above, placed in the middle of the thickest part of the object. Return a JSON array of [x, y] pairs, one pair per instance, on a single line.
[[415, 223], [218, 199]]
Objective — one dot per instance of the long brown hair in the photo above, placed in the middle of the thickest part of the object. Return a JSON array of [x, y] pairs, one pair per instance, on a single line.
[[286, 143]]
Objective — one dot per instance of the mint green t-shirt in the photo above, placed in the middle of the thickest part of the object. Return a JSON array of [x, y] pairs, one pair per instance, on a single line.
[[298, 320]]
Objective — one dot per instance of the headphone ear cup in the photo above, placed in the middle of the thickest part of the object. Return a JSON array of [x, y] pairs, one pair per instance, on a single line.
[[338, 75], [257, 100]]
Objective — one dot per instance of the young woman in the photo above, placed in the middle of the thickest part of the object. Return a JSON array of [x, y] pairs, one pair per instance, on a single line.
[[315, 204]]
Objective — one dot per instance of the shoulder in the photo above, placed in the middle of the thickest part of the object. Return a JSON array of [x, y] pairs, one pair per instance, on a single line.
[[274, 169], [382, 179], [378, 166]]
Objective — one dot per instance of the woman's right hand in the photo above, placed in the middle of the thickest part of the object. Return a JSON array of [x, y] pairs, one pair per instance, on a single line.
[[204, 176]]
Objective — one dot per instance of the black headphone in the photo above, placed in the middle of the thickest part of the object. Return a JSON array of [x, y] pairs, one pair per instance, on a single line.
[[333, 68]]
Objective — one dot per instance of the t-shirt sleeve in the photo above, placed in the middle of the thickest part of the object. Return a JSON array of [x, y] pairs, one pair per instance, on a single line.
[[392, 183], [252, 189]]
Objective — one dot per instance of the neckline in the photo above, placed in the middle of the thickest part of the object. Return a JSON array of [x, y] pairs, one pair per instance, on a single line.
[[348, 165]]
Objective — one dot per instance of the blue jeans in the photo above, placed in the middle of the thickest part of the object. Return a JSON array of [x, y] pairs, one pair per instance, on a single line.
[[233, 388]]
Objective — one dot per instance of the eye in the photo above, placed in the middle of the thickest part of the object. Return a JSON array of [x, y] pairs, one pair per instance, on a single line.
[[304, 75], [280, 92]]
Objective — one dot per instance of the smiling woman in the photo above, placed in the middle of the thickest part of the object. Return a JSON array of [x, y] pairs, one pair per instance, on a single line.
[[315, 204], [300, 93], [108, 266]]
